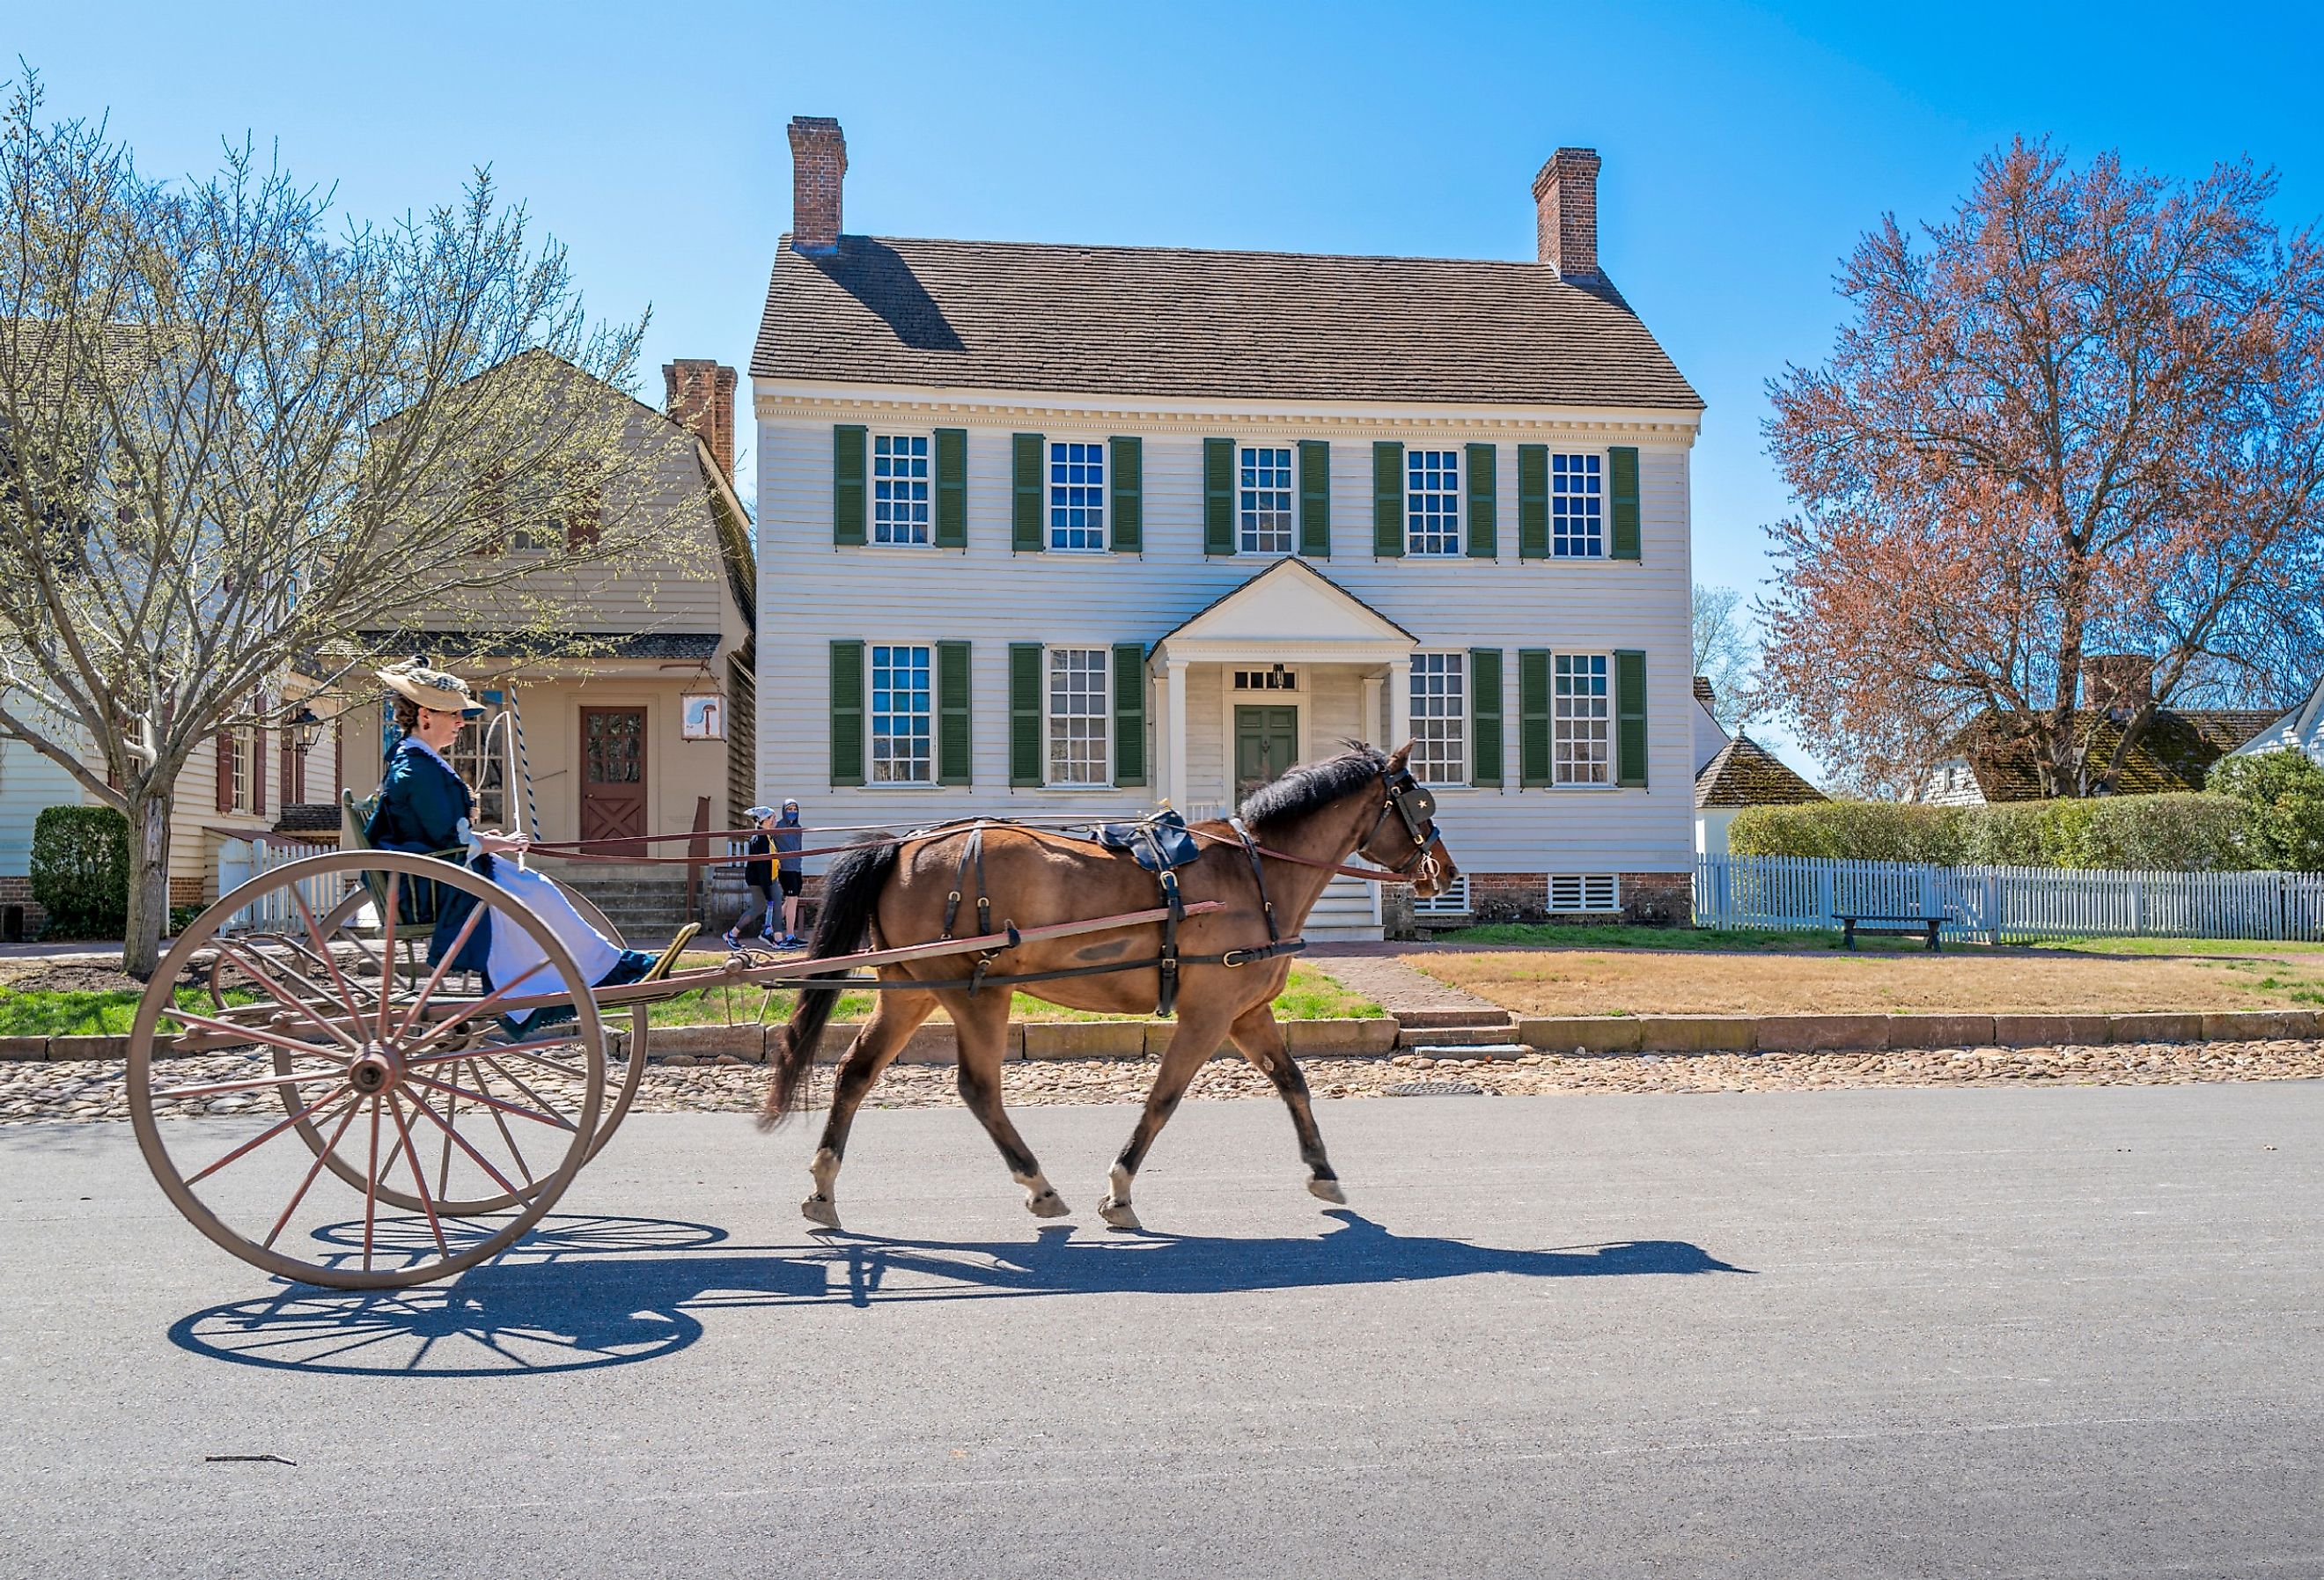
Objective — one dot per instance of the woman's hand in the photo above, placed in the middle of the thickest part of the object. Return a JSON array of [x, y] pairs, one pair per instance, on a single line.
[[503, 844]]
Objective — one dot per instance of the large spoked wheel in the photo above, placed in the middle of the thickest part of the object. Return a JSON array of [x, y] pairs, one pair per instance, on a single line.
[[417, 1095], [353, 925]]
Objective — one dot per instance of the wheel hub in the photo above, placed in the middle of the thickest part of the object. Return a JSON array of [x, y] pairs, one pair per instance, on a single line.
[[376, 1071]]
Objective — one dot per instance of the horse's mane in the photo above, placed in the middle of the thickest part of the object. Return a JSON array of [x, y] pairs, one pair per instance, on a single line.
[[1313, 785]]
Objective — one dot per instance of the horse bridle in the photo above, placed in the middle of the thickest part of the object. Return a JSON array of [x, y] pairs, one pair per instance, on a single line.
[[1415, 805]]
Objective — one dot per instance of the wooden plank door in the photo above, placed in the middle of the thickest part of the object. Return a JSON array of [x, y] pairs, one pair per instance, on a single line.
[[613, 778], [1266, 743]]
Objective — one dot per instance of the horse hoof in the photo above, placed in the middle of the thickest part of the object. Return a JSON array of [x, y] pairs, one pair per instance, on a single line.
[[1118, 1215], [1047, 1205], [1328, 1190], [821, 1209]]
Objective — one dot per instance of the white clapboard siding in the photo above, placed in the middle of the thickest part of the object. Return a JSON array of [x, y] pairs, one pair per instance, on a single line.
[[812, 593], [2001, 904]]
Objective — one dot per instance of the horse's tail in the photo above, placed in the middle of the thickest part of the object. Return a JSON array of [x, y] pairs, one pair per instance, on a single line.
[[850, 891]]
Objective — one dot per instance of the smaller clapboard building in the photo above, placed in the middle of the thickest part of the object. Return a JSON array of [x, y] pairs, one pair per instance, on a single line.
[[1050, 528]]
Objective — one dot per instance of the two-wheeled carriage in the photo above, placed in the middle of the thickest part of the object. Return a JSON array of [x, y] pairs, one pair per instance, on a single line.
[[303, 1004]]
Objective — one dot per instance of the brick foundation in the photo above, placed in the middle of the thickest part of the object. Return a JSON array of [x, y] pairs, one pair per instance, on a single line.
[[18, 891], [189, 892], [1658, 898], [1646, 899]]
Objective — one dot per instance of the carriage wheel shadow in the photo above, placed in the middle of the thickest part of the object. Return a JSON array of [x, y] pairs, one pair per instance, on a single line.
[[581, 1293]]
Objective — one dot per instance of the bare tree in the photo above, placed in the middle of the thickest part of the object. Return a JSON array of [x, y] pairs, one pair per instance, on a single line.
[[1724, 653], [2085, 415], [235, 433]]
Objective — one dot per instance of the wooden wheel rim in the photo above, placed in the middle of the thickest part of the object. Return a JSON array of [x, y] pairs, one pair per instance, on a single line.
[[427, 1263], [632, 1077]]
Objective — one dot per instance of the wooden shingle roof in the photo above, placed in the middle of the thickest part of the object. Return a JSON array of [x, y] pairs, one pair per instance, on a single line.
[[2174, 752], [1746, 775], [1166, 322]]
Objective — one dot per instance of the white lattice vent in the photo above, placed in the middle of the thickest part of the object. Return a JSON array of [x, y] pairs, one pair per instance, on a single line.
[[1452, 902], [1578, 891]]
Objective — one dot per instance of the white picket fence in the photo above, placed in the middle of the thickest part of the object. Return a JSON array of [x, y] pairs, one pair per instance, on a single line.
[[241, 860], [2003, 904]]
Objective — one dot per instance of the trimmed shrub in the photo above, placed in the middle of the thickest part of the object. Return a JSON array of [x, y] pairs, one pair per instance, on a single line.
[[2282, 793], [80, 871], [2173, 833]]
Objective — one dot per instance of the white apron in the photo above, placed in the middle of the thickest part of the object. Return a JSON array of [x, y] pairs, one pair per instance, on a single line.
[[511, 954]]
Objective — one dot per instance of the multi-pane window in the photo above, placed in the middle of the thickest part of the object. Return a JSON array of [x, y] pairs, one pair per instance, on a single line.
[[1576, 506], [1439, 717], [243, 768], [900, 753], [1263, 500], [1431, 502], [1077, 714], [488, 776], [1581, 720], [1076, 495], [899, 489]]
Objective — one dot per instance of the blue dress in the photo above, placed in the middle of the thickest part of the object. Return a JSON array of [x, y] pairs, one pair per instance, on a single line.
[[423, 807]]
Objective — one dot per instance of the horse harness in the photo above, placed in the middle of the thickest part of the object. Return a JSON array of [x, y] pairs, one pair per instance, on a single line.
[[1161, 843]]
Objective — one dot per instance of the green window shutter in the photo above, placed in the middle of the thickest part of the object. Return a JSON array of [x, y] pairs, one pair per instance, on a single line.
[[1533, 717], [1630, 718], [1485, 716], [1129, 459], [1623, 492], [847, 494], [847, 713], [953, 742], [952, 488], [1533, 502], [1218, 496], [1028, 533], [1484, 502], [1316, 498], [1129, 713], [1024, 713], [1388, 499]]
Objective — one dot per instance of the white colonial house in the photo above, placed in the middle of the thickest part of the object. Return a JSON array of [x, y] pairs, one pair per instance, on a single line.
[[1050, 528]]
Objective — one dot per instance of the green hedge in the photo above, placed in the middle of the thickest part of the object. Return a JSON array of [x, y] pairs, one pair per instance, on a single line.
[[80, 871], [2175, 832], [2284, 792]]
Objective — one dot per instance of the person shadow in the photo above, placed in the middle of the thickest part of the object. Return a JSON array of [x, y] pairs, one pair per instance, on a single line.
[[583, 1293]]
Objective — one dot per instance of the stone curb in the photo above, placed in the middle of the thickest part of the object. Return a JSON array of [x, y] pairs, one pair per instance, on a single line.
[[1877, 1034]]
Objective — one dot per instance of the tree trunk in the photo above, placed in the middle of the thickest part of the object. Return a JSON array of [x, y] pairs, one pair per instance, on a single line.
[[148, 880]]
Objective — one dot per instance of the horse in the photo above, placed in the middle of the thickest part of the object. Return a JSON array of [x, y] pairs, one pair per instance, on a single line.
[[1233, 962]]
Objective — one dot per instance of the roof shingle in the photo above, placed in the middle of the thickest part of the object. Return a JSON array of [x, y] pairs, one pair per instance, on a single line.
[[1746, 775], [1170, 322]]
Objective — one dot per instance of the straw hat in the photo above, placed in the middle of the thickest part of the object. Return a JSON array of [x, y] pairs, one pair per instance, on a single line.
[[431, 688]]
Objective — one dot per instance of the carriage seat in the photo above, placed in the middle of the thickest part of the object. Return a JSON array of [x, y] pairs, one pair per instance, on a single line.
[[1158, 842]]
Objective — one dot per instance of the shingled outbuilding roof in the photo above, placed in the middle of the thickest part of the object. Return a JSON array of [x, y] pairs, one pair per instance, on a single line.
[[1746, 775], [1179, 322]]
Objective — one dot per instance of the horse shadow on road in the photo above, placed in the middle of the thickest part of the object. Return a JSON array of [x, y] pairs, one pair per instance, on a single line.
[[580, 1293]]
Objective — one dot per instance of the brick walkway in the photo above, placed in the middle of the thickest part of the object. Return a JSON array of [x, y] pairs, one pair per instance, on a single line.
[[1390, 983]]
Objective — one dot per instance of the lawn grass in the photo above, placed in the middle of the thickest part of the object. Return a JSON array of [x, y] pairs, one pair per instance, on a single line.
[[1618, 936], [1309, 994]]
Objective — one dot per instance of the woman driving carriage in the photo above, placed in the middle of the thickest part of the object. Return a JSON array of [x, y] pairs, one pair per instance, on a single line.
[[424, 807]]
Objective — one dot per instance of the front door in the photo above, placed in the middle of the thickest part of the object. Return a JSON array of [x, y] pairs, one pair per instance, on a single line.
[[1266, 743], [613, 778]]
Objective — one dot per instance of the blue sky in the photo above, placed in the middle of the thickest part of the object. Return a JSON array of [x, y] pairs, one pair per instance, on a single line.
[[1745, 147]]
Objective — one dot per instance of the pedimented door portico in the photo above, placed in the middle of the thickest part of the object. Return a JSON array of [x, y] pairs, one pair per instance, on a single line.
[[1290, 615]]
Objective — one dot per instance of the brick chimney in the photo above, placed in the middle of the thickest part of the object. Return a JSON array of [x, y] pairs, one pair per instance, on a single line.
[[701, 400], [818, 165], [2118, 684], [1565, 212]]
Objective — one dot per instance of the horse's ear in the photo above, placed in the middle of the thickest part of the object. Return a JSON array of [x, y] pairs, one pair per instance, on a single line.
[[1396, 759]]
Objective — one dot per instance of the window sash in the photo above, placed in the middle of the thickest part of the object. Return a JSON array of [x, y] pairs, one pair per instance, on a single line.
[[1577, 506], [1581, 718], [1076, 495], [902, 714], [1431, 502], [1080, 716], [1265, 490], [903, 490], [468, 760], [1440, 717], [244, 744]]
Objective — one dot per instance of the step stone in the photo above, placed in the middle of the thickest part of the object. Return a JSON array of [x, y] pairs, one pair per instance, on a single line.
[[1426, 1037], [1456, 1015]]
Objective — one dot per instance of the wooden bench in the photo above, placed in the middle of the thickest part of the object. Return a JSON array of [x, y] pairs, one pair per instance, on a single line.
[[1903, 925]]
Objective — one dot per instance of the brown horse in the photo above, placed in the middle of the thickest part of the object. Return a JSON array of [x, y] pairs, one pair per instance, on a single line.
[[1362, 802]]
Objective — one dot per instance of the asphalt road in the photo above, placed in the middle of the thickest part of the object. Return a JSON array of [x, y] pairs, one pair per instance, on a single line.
[[1887, 1332]]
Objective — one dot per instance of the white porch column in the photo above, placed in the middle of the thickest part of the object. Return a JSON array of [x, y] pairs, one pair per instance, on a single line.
[[1371, 713], [1178, 726], [1400, 703]]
